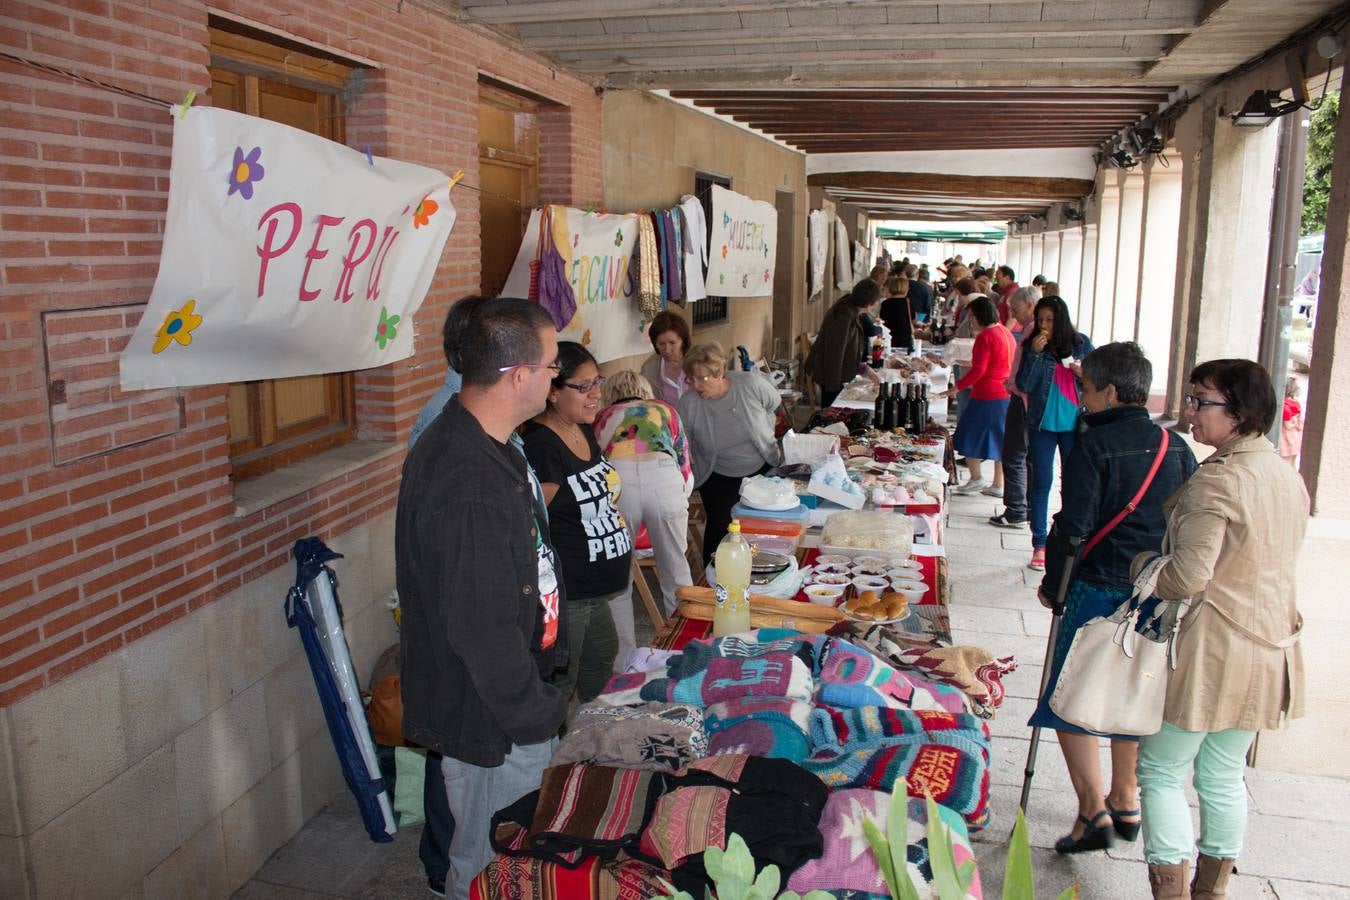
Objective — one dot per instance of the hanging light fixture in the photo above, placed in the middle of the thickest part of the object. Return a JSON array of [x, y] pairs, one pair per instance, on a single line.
[[1262, 108]]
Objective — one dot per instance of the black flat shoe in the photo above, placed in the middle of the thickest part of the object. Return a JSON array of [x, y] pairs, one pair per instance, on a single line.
[[1127, 831], [1095, 837]]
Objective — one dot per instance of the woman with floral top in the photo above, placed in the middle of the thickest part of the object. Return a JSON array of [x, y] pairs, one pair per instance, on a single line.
[[644, 441]]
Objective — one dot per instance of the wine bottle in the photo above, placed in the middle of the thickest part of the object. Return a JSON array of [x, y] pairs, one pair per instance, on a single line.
[[879, 407]]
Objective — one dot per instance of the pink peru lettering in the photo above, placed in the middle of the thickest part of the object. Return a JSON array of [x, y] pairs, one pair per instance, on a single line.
[[351, 260], [269, 250], [314, 253], [377, 265]]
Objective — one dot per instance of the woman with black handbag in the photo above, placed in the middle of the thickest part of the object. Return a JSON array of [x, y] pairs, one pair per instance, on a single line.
[[1116, 478]]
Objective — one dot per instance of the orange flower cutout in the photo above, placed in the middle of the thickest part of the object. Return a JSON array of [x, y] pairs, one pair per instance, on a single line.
[[724, 251], [425, 210]]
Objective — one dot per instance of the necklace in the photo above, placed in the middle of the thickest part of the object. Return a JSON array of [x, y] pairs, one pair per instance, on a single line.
[[575, 433]]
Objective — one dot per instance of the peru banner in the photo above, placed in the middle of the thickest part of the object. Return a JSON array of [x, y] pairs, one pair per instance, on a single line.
[[284, 254], [741, 252]]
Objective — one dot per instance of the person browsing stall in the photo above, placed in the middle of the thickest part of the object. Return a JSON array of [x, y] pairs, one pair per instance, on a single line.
[[664, 370], [1110, 462], [979, 430], [729, 418], [1047, 374], [581, 489], [475, 567], [645, 442], [840, 349]]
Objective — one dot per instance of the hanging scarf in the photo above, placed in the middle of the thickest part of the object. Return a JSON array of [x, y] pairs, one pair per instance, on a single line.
[[649, 270]]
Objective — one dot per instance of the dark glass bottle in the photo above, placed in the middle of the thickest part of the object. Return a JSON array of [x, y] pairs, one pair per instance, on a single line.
[[879, 407]]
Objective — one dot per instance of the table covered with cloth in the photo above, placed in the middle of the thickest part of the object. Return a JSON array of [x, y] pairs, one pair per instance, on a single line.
[[818, 718]]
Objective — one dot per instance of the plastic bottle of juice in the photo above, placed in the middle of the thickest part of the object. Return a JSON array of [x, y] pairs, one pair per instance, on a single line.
[[732, 562]]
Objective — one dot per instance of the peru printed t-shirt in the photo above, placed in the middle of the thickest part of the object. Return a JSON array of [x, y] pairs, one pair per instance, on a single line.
[[589, 534]]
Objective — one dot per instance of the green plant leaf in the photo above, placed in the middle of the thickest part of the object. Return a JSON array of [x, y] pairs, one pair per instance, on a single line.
[[897, 826], [1070, 893], [818, 895], [737, 860], [767, 884], [1018, 881], [882, 851], [674, 894], [949, 880]]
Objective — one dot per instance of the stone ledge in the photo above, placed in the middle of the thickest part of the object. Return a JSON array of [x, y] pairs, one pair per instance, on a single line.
[[258, 493]]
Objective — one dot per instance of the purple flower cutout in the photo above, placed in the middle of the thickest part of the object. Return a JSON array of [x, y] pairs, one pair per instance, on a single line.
[[245, 172]]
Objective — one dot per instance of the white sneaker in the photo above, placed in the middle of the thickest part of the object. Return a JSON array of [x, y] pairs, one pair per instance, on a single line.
[[992, 491], [970, 487]]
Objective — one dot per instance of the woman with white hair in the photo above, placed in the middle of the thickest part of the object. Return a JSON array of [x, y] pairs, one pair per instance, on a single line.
[[645, 442]]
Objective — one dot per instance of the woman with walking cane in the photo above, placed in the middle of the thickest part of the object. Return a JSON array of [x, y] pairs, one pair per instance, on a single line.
[[1116, 478]]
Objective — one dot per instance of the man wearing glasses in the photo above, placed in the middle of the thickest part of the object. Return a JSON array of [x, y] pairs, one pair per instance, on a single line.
[[477, 582]]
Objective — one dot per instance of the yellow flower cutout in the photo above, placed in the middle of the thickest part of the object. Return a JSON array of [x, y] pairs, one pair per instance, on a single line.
[[178, 326]]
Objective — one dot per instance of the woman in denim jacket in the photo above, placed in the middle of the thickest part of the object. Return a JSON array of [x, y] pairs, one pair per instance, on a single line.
[[1109, 463], [1048, 375]]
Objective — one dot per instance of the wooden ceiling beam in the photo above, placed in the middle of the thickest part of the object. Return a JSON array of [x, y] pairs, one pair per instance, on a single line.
[[968, 73], [957, 31], [579, 10], [610, 61], [1055, 188], [905, 95]]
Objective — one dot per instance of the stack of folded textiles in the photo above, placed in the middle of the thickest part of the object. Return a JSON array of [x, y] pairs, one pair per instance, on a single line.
[[946, 755], [851, 675]]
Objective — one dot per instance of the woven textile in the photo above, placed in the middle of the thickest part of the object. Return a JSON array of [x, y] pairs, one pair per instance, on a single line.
[[944, 754], [847, 868], [687, 822], [760, 727], [854, 676], [664, 736], [518, 878], [649, 270], [599, 808]]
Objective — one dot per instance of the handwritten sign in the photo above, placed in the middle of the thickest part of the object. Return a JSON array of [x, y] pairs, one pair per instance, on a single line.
[[742, 250], [597, 253], [284, 254]]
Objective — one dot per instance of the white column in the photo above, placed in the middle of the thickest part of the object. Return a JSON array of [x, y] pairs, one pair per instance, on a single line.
[[1087, 278], [1099, 327], [1037, 254], [1071, 267], [1127, 255], [1158, 263], [1050, 257]]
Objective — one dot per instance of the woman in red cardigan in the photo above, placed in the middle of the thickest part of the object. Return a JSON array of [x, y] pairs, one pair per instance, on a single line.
[[979, 431]]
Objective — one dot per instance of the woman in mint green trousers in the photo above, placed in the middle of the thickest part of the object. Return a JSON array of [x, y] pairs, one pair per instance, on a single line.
[[1234, 533]]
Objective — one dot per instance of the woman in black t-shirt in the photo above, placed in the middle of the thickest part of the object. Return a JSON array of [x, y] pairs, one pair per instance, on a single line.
[[589, 534]]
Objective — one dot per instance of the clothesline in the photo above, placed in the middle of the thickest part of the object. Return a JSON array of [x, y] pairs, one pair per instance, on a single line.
[[158, 101]]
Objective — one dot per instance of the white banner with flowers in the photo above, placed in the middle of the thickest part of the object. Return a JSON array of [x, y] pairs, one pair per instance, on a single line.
[[284, 254], [596, 249], [742, 251]]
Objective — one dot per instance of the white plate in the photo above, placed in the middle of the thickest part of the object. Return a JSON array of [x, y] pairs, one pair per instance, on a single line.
[[852, 618]]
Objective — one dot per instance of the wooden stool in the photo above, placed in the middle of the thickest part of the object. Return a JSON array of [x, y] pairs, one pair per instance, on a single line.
[[645, 590]]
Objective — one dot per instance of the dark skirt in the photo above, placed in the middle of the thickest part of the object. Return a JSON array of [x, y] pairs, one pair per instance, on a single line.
[[1085, 601], [979, 430]]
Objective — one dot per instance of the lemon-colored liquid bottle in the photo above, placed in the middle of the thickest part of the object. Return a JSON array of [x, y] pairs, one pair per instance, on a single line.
[[732, 561]]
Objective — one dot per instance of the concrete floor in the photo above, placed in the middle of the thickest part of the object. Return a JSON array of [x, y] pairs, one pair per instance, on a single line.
[[1298, 842]]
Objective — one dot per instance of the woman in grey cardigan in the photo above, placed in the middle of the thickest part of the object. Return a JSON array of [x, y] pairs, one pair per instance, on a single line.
[[729, 420]]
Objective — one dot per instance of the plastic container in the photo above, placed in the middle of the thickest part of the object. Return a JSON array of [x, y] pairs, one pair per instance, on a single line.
[[824, 594]]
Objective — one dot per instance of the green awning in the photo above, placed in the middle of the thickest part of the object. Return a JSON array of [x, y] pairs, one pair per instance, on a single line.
[[952, 236]]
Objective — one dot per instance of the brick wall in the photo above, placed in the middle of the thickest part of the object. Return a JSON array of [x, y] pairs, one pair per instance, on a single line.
[[117, 511]]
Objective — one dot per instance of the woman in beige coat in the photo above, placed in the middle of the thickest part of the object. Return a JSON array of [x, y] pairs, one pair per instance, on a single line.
[[1234, 534]]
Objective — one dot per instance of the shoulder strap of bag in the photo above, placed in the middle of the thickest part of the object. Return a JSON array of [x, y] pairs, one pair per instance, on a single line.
[[1134, 501]]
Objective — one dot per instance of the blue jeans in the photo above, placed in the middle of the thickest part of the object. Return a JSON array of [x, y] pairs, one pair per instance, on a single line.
[[1041, 447], [475, 793], [438, 827], [1166, 760]]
